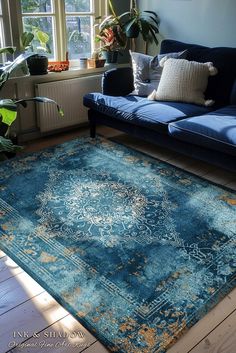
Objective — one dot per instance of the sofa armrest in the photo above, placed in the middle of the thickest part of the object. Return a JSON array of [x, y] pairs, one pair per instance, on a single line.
[[118, 81]]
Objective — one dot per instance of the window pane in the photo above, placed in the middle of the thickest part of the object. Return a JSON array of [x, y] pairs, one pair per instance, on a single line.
[[44, 24], [79, 36], [78, 5], [2, 44], [1, 33], [31, 6]]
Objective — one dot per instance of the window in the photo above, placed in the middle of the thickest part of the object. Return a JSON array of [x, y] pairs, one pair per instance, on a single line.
[[79, 27], [2, 39], [39, 14], [69, 24], [1, 27]]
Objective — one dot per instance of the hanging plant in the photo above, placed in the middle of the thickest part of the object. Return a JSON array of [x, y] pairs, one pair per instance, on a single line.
[[135, 22]]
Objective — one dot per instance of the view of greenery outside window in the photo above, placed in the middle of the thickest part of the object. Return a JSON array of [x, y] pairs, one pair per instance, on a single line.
[[70, 20], [79, 26], [39, 14]]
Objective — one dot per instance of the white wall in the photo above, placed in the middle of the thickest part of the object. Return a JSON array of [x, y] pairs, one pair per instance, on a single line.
[[205, 22]]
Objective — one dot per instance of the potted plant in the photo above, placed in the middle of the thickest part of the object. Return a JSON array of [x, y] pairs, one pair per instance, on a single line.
[[96, 60], [111, 36], [113, 40], [135, 22], [8, 107], [38, 62]]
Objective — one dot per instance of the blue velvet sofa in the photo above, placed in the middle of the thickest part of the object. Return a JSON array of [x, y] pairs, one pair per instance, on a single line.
[[205, 133]]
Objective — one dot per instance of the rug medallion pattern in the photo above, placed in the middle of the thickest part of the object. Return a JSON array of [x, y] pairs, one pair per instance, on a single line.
[[134, 248]]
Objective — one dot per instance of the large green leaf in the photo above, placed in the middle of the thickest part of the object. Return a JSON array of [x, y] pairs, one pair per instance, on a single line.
[[41, 100], [125, 14], [129, 24], [8, 107], [107, 22], [8, 111], [156, 21], [42, 37], [7, 70], [151, 12], [7, 50], [7, 145], [25, 40], [8, 116], [154, 36]]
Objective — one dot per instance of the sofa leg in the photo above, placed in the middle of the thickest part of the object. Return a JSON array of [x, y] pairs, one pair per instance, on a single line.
[[92, 130]]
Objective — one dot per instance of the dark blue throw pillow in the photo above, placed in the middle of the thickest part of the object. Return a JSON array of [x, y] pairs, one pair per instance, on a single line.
[[224, 59]]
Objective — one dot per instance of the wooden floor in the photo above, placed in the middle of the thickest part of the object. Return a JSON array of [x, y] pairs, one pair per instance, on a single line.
[[31, 321]]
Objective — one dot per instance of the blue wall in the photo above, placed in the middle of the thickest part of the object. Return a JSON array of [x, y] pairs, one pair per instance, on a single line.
[[206, 22]]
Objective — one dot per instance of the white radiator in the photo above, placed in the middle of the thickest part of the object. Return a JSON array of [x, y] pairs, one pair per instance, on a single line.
[[69, 95]]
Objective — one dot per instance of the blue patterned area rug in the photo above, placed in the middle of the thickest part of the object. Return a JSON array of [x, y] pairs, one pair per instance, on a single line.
[[136, 249]]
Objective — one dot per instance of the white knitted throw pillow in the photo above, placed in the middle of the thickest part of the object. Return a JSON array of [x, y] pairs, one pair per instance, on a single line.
[[184, 81]]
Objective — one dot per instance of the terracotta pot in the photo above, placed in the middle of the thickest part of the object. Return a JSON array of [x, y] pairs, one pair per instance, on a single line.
[[95, 63]]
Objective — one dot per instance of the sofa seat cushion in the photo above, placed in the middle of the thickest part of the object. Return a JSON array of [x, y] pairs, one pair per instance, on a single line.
[[216, 130], [140, 111]]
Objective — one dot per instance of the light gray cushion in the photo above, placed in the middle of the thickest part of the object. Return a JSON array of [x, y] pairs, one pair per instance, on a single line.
[[147, 71], [184, 81]]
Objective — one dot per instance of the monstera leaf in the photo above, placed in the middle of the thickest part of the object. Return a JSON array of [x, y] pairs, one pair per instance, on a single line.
[[8, 107], [7, 50], [7, 69], [8, 111], [6, 145]]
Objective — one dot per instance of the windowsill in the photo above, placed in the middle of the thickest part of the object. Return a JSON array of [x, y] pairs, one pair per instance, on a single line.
[[63, 75]]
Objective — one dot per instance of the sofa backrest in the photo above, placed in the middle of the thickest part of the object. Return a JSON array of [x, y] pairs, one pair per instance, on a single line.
[[118, 81], [219, 86]]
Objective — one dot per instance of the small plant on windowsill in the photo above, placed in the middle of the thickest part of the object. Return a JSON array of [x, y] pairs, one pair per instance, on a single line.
[[8, 107], [96, 60], [38, 62], [111, 35]]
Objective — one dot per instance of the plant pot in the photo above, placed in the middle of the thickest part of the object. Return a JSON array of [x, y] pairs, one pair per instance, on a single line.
[[133, 31], [95, 63], [110, 56], [38, 64]]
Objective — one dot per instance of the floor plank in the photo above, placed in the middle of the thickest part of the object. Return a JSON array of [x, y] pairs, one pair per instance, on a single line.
[[48, 141], [76, 339], [157, 152], [32, 316], [232, 185], [17, 290], [207, 324], [8, 268], [107, 131], [222, 177], [221, 340]]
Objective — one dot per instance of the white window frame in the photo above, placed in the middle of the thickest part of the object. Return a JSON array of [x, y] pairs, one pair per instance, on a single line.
[[6, 38], [13, 9]]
